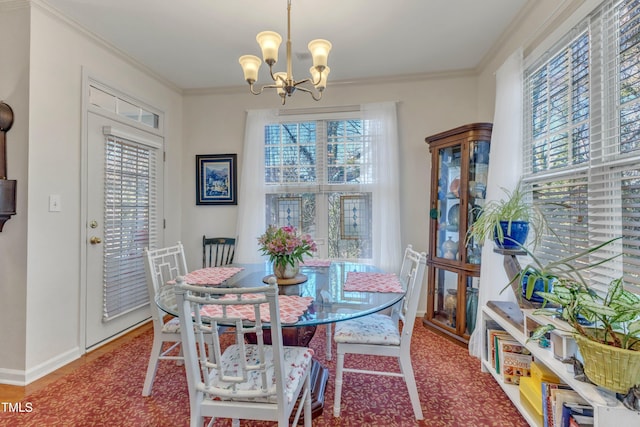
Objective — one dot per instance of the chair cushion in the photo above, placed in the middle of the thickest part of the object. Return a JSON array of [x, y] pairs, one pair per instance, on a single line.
[[371, 329], [172, 326], [297, 362]]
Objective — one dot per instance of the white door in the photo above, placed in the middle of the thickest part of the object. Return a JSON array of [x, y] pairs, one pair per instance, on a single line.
[[124, 166]]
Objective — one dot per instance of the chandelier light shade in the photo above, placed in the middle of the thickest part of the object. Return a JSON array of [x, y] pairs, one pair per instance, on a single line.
[[283, 82]]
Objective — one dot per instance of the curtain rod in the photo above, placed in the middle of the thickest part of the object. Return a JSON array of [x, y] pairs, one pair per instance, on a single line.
[[319, 110]]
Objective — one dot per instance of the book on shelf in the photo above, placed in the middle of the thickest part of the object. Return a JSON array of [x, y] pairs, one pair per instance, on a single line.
[[584, 412], [506, 345], [581, 421], [560, 397], [492, 333], [514, 366], [547, 402]]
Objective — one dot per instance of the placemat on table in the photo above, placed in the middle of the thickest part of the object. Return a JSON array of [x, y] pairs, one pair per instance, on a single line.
[[372, 282], [291, 308], [211, 276]]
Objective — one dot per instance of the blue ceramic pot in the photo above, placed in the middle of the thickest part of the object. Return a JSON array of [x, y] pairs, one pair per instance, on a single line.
[[538, 286], [515, 236]]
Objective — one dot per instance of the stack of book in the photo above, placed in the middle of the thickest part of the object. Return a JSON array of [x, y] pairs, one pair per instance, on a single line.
[[565, 408], [509, 358], [561, 406]]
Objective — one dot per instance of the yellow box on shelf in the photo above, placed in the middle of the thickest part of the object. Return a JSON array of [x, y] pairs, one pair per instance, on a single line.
[[531, 392], [541, 374]]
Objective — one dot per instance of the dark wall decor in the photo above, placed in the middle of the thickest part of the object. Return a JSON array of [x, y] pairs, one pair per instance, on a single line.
[[216, 179], [7, 186]]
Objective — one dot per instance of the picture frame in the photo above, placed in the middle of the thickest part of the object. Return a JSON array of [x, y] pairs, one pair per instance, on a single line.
[[216, 179]]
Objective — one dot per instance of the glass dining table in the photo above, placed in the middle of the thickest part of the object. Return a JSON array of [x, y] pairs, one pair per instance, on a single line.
[[330, 303]]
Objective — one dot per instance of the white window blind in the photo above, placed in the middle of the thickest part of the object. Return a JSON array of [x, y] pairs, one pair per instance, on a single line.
[[582, 140], [131, 222]]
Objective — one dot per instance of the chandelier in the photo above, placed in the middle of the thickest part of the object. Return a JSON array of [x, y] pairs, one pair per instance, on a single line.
[[283, 82]]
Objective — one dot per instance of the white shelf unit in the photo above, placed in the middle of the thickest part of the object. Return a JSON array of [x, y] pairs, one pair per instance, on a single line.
[[604, 415]]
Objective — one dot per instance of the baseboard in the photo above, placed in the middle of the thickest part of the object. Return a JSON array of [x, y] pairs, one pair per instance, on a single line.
[[22, 378], [12, 377]]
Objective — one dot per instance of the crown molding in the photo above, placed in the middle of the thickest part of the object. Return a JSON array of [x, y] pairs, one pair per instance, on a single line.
[[8, 5], [404, 78]]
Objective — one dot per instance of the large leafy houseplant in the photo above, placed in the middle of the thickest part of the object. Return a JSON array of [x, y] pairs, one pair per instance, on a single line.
[[510, 210], [541, 275], [606, 326], [612, 319]]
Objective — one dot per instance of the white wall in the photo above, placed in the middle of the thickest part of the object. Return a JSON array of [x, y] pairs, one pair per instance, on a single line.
[[14, 90], [54, 244]]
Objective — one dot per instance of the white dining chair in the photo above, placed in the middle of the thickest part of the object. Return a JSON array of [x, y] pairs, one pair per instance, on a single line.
[[235, 379], [382, 334], [161, 266]]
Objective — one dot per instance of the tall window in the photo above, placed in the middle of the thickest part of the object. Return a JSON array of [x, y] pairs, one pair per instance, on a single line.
[[332, 174], [316, 175], [582, 138]]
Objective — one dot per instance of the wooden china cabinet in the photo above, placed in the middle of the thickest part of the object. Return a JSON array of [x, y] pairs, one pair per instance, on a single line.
[[459, 167]]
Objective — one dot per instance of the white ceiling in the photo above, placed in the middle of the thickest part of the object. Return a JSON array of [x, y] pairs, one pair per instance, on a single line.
[[196, 43]]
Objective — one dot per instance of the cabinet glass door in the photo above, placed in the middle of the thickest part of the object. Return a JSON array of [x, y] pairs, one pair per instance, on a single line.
[[448, 205], [477, 187], [445, 301]]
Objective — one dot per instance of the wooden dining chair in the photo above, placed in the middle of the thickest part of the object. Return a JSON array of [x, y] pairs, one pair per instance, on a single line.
[[217, 251], [234, 379], [383, 335], [161, 266]]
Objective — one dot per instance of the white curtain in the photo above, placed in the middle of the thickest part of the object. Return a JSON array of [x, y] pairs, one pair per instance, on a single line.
[[505, 170], [251, 189], [383, 122]]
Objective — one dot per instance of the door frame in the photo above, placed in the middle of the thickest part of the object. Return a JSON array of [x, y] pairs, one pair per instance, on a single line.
[[90, 78]]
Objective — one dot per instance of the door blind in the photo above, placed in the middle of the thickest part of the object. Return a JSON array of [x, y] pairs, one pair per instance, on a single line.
[[130, 223]]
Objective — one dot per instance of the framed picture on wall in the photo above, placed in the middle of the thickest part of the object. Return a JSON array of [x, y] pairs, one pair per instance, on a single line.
[[216, 179]]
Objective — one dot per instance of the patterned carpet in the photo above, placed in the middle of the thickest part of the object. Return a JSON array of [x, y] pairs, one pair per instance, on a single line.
[[107, 392]]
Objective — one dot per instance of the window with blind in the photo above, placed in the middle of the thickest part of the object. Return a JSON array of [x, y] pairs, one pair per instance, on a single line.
[[316, 173], [582, 141], [130, 223]]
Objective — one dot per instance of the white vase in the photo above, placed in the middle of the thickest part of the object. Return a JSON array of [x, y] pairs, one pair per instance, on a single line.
[[286, 271]]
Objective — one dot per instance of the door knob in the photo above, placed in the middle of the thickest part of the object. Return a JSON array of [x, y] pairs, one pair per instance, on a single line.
[[95, 240]]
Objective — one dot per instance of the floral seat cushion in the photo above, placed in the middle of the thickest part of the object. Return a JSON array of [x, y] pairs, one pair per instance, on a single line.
[[297, 361], [172, 326], [372, 329]]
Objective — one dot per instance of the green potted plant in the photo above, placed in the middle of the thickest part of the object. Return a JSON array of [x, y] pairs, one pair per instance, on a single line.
[[508, 221], [605, 327], [538, 276]]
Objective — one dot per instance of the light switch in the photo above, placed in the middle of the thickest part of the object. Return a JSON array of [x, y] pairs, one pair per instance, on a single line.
[[54, 203]]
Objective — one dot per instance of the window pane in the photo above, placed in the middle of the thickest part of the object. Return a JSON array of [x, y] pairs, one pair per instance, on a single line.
[[345, 152], [629, 76], [631, 225], [355, 244], [559, 107], [288, 146]]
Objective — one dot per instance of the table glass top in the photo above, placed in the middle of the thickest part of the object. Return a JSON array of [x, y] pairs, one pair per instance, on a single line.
[[331, 303]]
